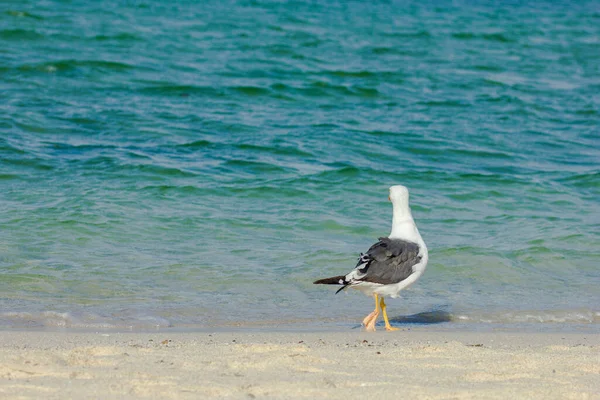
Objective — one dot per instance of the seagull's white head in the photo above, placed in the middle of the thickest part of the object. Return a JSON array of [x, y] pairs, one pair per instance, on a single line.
[[399, 196]]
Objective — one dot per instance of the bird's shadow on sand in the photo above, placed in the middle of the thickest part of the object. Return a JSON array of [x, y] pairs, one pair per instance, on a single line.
[[423, 318]]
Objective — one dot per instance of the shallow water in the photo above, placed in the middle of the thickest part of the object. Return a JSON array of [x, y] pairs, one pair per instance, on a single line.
[[200, 165]]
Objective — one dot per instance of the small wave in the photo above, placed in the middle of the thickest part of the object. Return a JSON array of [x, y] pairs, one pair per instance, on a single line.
[[404, 35], [341, 173], [318, 89], [278, 150], [532, 316], [6, 177], [445, 103], [488, 154], [588, 180], [185, 189], [56, 319], [477, 195], [117, 165], [197, 144], [250, 90], [29, 162], [100, 162], [20, 34], [495, 178], [532, 252], [73, 65], [459, 153], [354, 74], [279, 50], [499, 99], [78, 147], [321, 88], [384, 50], [249, 166], [101, 64], [181, 90], [270, 191], [23, 14], [325, 225], [327, 125], [8, 148], [487, 68], [588, 112], [121, 37], [159, 170], [505, 80], [493, 37]]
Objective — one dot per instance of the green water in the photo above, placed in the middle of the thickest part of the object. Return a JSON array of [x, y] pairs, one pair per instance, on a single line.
[[200, 164]]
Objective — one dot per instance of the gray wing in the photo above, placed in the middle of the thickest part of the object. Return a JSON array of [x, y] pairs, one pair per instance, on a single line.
[[388, 261]]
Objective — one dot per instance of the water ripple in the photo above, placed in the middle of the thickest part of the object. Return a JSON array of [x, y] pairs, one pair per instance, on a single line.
[[159, 161]]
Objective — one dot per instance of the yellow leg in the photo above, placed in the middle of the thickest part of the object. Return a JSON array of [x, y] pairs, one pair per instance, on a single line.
[[388, 327], [369, 321]]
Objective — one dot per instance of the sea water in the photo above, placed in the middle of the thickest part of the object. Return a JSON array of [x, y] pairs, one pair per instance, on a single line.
[[198, 164]]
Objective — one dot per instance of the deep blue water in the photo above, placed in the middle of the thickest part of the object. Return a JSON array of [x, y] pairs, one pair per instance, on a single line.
[[200, 164]]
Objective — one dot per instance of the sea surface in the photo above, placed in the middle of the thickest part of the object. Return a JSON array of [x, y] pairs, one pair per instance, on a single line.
[[196, 165]]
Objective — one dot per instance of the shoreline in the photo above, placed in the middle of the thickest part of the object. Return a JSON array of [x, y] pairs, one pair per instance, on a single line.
[[418, 363], [543, 321], [332, 327]]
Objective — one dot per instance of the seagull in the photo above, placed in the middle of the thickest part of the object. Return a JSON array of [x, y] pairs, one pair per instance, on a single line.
[[390, 265]]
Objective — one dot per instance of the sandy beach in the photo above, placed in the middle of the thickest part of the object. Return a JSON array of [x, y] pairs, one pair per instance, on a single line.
[[352, 365]]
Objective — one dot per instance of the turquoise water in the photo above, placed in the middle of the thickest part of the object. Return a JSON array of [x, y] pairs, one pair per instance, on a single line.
[[199, 165]]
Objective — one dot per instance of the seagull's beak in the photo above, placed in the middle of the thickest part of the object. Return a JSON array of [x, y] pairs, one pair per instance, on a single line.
[[389, 198]]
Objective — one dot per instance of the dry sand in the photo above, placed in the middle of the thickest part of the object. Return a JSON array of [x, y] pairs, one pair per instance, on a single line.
[[353, 365]]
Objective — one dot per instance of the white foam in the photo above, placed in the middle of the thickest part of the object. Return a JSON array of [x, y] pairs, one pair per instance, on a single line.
[[56, 319], [533, 316]]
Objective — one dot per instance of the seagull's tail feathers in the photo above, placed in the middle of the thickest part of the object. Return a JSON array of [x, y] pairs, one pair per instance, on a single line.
[[334, 280]]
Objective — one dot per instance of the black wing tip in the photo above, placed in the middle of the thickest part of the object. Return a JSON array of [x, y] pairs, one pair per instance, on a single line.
[[334, 280]]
